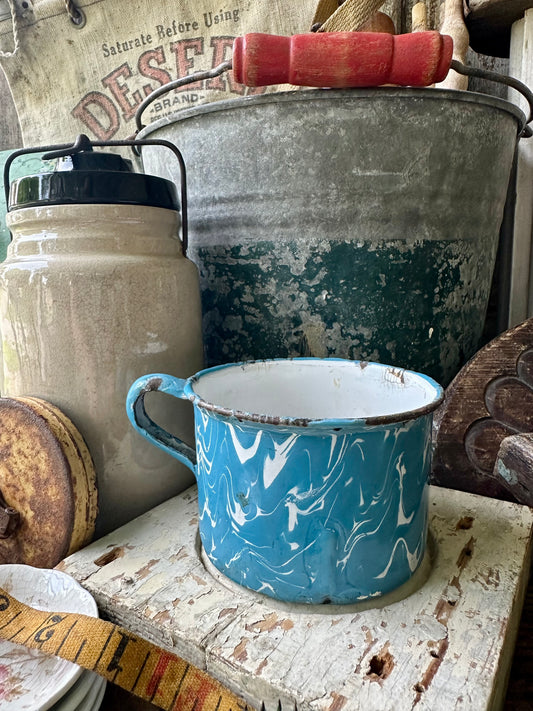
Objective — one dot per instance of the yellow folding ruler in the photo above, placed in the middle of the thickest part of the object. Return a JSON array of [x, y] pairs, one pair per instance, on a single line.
[[118, 655]]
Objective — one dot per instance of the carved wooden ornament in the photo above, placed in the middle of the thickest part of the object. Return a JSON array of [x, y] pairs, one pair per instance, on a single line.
[[482, 445]]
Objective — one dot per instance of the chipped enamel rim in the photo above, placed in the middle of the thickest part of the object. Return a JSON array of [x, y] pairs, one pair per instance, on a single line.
[[309, 422]]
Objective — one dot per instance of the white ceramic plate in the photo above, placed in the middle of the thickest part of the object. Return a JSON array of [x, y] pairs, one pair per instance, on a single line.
[[99, 699], [94, 698], [72, 701], [78, 692], [29, 679]]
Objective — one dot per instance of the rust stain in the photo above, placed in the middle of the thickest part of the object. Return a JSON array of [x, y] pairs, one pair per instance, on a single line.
[[127, 580], [260, 668], [465, 523], [444, 609], [381, 665], [419, 691], [488, 578], [368, 636], [240, 653], [182, 553], [146, 569], [471, 614], [447, 604], [162, 617], [454, 582], [433, 667], [269, 623], [437, 656], [465, 556], [198, 580], [503, 628], [370, 642], [339, 702], [110, 556], [226, 611]]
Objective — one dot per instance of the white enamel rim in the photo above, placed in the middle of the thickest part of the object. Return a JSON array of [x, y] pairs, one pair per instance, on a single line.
[[433, 393]]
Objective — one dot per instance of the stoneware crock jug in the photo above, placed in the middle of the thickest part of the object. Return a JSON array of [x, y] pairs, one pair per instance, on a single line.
[[95, 291], [312, 473]]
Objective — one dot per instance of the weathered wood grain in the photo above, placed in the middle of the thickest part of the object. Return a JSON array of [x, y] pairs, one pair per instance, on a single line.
[[514, 465], [446, 645]]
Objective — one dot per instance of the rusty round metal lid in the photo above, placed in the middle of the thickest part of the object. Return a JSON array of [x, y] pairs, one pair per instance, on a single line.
[[48, 490]]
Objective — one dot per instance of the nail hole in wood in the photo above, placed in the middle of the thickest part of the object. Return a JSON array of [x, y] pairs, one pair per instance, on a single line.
[[419, 688], [380, 666], [110, 556], [376, 666], [465, 523]]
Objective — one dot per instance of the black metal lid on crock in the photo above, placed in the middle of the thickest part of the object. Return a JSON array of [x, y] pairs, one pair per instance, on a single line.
[[88, 177]]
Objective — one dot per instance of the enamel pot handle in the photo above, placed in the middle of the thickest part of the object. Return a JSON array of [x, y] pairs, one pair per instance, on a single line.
[[147, 427]]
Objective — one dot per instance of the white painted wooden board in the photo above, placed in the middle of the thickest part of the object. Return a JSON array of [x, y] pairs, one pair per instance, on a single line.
[[447, 645]]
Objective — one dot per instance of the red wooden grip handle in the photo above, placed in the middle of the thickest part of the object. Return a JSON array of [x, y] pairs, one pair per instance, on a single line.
[[342, 59]]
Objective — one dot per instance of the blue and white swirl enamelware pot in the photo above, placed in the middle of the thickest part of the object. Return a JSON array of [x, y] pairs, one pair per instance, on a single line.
[[312, 473]]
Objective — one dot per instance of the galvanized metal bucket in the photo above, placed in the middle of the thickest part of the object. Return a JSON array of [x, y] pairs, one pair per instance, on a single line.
[[358, 223]]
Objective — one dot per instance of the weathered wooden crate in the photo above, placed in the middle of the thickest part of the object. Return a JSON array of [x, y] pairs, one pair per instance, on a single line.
[[447, 644]]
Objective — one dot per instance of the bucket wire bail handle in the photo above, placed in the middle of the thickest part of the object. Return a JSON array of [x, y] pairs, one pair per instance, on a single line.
[[525, 131], [330, 16], [176, 84], [83, 143]]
